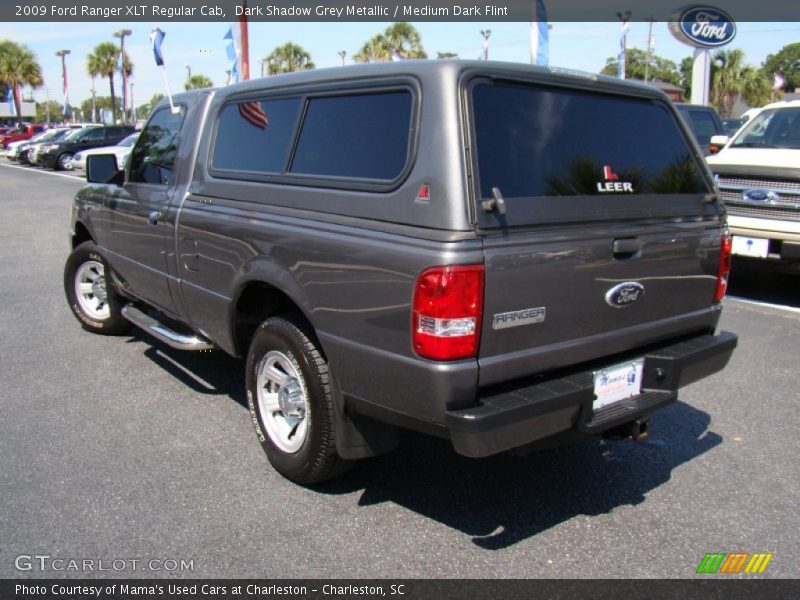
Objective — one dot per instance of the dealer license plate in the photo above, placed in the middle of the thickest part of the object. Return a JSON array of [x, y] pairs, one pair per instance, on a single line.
[[616, 383], [746, 246]]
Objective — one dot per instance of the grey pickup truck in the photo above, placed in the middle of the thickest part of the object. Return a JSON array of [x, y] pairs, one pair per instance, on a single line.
[[502, 255]]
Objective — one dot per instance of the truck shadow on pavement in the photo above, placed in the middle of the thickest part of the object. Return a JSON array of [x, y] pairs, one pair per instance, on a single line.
[[498, 501], [505, 499]]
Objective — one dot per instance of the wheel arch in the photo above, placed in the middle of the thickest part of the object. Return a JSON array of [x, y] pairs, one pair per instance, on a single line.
[[254, 302], [81, 234]]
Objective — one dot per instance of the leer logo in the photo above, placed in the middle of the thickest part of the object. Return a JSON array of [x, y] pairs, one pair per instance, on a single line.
[[732, 563], [612, 182]]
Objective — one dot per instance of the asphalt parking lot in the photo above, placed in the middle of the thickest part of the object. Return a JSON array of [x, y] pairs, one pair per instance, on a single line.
[[122, 448]]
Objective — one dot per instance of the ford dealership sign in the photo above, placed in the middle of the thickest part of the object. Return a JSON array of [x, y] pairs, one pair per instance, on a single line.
[[703, 27]]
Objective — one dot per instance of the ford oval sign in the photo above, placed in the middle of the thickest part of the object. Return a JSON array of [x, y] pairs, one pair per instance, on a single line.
[[760, 196], [703, 27], [624, 294]]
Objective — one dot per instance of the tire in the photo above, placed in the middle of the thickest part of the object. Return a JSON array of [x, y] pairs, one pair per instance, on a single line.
[[64, 162], [291, 403], [97, 308]]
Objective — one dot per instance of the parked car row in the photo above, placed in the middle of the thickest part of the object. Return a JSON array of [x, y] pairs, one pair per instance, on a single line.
[[56, 148]]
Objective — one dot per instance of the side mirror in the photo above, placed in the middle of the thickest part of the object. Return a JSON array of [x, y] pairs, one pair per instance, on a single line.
[[102, 168], [717, 143]]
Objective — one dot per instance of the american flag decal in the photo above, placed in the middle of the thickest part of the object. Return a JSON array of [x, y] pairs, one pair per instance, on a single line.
[[254, 114], [609, 175]]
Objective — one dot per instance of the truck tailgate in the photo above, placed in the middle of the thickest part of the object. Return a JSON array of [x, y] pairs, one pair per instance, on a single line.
[[550, 295]]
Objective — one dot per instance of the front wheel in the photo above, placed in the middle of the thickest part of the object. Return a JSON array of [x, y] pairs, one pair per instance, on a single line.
[[291, 404], [91, 299], [64, 162]]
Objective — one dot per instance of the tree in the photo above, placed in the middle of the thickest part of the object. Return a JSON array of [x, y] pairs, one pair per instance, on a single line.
[[787, 62], [733, 78], [401, 38], [101, 103], [143, 110], [686, 66], [49, 111], [661, 69], [197, 81], [287, 58], [18, 67], [103, 61]]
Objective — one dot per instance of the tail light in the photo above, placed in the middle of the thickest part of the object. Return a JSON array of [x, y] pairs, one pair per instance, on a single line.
[[447, 311], [724, 267]]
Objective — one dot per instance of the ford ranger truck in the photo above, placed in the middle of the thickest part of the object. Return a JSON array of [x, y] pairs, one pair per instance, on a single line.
[[501, 255], [758, 174]]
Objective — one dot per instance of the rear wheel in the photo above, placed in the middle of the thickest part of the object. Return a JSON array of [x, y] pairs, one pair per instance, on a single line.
[[64, 162], [290, 401], [92, 301]]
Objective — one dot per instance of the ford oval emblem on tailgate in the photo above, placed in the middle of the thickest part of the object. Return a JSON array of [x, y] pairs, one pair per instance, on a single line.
[[624, 294]]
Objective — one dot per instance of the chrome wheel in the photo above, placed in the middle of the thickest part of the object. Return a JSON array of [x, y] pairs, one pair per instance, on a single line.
[[90, 290], [65, 162], [282, 401]]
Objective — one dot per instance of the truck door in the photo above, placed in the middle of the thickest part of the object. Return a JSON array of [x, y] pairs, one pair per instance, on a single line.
[[140, 225]]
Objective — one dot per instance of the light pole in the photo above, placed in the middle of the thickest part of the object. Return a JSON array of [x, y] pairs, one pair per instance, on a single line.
[[94, 107], [121, 34], [342, 54], [47, 103], [63, 55], [133, 107], [649, 50], [188, 71], [623, 41], [486, 33], [263, 62]]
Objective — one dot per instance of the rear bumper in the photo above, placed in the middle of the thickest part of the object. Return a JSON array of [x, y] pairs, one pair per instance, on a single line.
[[512, 418]]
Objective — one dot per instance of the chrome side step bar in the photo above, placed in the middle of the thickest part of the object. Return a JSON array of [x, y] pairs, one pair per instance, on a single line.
[[158, 330]]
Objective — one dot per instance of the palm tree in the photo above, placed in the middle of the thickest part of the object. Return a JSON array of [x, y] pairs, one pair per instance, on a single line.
[[732, 78], [376, 49], [287, 58], [102, 62], [18, 67], [404, 39], [401, 38], [197, 81]]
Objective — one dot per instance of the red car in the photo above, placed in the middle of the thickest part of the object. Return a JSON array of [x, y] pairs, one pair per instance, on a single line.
[[24, 132]]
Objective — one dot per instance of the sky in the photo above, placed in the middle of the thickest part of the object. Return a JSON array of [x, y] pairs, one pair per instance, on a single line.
[[584, 46]]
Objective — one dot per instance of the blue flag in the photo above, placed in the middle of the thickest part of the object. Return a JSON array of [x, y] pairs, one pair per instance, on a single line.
[[156, 37], [540, 36], [12, 111]]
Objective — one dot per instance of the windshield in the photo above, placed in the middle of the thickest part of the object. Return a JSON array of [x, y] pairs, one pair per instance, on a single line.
[[75, 134], [48, 136], [129, 141], [771, 128], [41, 137]]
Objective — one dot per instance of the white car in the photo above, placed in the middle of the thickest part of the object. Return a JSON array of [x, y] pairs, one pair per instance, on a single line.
[[13, 148], [121, 151], [758, 173]]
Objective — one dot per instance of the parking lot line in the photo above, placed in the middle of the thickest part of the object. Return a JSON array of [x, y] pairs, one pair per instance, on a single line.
[[73, 177]]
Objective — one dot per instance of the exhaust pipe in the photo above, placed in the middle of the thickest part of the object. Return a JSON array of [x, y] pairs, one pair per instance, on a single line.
[[638, 430]]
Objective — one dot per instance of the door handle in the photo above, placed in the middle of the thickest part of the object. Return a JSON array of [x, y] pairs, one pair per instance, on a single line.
[[626, 248], [154, 216]]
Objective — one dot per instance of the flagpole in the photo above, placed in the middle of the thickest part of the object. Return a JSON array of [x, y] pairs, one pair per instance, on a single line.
[[245, 42], [166, 85]]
